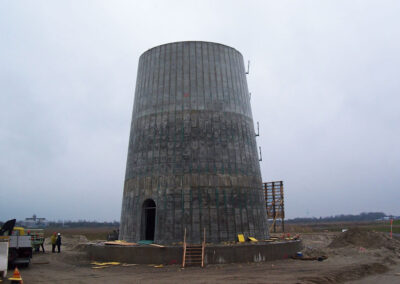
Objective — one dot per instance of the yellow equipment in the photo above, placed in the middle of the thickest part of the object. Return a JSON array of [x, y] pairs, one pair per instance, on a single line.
[[18, 231], [241, 238]]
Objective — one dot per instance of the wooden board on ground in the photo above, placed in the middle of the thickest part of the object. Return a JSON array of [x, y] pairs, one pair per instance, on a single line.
[[156, 245], [119, 243]]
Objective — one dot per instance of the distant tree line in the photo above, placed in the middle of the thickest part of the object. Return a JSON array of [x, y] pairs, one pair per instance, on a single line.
[[82, 223], [75, 224], [365, 216]]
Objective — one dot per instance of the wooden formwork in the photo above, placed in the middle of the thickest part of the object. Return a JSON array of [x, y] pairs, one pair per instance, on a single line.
[[274, 202]]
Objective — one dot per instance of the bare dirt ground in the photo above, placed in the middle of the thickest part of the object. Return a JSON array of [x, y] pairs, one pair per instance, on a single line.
[[353, 257]]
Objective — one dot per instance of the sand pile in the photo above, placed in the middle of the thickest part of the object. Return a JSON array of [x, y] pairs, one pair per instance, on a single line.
[[362, 238]]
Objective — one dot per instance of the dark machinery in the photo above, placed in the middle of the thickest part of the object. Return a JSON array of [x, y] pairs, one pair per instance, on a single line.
[[20, 249]]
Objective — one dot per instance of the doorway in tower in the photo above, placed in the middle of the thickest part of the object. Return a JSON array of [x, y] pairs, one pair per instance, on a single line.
[[148, 225]]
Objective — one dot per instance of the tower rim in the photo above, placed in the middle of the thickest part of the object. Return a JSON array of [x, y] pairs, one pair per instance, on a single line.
[[190, 41]]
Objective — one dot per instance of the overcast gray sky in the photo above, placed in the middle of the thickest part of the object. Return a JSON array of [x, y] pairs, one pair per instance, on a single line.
[[324, 79]]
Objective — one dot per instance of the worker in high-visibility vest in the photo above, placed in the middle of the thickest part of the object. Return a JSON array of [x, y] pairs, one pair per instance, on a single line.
[[53, 242]]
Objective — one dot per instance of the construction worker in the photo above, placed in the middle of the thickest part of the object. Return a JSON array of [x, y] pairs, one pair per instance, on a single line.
[[42, 244], [58, 242], [53, 242]]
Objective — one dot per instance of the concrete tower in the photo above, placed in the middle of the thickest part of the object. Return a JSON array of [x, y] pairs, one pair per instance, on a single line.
[[192, 158]]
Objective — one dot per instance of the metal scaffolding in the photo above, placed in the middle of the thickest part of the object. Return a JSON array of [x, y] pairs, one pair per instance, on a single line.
[[275, 203]]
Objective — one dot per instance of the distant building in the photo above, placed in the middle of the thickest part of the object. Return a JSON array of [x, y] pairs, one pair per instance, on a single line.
[[34, 222], [387, 218]]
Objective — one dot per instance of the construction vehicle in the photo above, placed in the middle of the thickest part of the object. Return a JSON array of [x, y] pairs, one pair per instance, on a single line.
[[37, 238], [20, 246]]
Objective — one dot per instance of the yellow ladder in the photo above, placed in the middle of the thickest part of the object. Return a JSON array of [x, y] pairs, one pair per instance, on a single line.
[[193, 253]]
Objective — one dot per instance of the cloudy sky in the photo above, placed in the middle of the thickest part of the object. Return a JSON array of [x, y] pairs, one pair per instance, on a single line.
[[324, 79]]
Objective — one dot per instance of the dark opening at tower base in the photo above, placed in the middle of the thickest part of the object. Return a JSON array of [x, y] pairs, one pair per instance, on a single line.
[[148, 220]]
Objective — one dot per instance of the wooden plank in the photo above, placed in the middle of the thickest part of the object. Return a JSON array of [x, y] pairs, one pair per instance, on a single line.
[[184, 250], [119, 243], [203, 248], [156, 245]]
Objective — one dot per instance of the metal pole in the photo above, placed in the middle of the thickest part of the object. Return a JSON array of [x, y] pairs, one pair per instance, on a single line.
[[391, 228], [274, 205]]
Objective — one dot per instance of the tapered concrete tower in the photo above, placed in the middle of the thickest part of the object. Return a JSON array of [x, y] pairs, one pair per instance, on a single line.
[[192, 158]]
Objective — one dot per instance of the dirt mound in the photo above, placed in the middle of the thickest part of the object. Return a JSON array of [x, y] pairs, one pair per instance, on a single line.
[[362, 238], [315, 241], [353, 272], [73, 240]]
